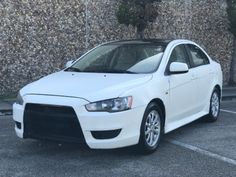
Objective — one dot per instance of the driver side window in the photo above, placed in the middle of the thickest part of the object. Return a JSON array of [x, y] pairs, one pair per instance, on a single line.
[[179, 54]]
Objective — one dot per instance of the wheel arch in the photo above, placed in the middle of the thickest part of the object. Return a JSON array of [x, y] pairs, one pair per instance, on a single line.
[[160, 103], [217, 87]]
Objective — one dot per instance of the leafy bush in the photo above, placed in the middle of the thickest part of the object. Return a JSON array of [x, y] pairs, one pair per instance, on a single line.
[[232, 15], [231, 10], [137, 13]]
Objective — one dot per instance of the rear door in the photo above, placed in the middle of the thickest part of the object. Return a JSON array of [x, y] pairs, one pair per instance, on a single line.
[[203, 74]]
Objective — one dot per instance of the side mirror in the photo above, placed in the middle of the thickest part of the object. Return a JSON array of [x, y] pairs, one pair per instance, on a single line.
[[178, 68], [69, 63]]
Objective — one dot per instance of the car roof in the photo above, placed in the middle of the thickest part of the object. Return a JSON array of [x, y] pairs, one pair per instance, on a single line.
[[140, 41]]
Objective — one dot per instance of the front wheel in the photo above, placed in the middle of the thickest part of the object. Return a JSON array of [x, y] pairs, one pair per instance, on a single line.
[[214, 107], [151, 129]]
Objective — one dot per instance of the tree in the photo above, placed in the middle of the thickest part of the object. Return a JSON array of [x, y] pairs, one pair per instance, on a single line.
[[137, 13], [231, 10]]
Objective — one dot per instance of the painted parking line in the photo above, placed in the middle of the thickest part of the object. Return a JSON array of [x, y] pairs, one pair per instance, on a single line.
[[204, 152], [228, 111]]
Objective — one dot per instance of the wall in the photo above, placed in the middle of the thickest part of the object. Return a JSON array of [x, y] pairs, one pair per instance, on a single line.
[[37, 37]]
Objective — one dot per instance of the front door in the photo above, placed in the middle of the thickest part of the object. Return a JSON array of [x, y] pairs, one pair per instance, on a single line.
[[182, 88]]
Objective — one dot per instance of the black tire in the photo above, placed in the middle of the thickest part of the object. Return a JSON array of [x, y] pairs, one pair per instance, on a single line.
[[213, 116], [143, 146]]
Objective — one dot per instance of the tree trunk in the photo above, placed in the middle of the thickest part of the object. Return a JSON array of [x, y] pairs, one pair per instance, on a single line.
[[232, 76], [140, 34]]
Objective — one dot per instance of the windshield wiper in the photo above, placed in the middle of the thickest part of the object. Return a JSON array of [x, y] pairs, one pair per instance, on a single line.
[[73, 69]]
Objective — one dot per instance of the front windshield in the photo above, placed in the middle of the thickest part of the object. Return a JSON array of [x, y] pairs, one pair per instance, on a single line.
[[125, 58]]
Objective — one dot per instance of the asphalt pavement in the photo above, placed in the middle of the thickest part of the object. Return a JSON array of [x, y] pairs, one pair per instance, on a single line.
[[197, 149]]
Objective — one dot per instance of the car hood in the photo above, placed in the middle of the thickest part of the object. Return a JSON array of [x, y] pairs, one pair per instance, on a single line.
[[89, 86]]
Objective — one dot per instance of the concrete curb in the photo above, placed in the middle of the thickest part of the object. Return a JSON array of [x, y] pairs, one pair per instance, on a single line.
[[6, 106], [229, 93], [6, 112]]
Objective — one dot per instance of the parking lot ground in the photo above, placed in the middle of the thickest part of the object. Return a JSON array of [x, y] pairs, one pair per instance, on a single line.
[[198, 149], [218, 138]]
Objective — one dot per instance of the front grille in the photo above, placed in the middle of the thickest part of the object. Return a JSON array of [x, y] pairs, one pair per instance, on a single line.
[[52, 122]]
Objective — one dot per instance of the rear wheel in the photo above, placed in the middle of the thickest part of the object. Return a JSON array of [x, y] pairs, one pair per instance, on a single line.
[[214, 107], [151, 129]]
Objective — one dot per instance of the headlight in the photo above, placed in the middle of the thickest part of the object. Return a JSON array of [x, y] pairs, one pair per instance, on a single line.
[[111, 105], [19, 99]]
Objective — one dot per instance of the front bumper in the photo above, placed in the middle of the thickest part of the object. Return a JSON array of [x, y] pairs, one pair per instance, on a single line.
[[128, 122]]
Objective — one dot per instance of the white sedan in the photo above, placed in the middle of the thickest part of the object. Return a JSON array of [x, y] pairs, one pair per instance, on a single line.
[[122, 93]]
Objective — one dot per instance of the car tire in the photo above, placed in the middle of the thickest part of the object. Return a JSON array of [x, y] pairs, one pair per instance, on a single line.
[[151, 129], [214, 110]]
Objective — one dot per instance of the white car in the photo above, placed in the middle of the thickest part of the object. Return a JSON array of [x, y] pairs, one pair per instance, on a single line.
[[122, 93]]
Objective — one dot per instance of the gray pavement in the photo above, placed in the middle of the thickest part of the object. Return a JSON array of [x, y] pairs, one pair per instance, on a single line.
[[44, 158]]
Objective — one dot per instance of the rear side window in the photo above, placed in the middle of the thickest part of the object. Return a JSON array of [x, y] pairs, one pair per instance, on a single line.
[[198, 57]]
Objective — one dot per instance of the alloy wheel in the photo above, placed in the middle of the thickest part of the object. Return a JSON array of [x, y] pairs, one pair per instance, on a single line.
[[152, 128], [215, 104]]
